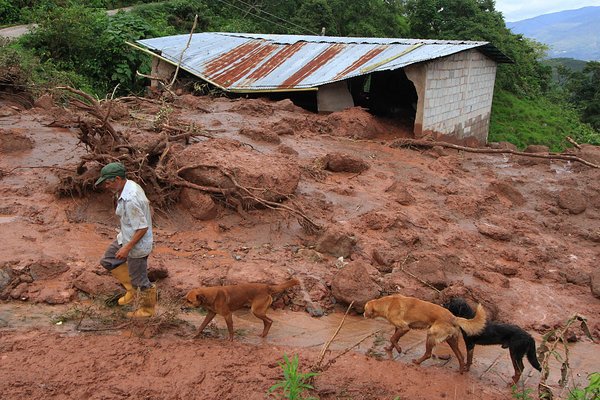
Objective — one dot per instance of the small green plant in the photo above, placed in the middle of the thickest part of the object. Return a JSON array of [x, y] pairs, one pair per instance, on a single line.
[[521, 394], [590, 392], [294, 382]]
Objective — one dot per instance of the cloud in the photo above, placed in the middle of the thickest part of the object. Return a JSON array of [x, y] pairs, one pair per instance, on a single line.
[[516, 10]]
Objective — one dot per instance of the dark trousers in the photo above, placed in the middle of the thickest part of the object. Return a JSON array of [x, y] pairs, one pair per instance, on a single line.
[[138, 267]]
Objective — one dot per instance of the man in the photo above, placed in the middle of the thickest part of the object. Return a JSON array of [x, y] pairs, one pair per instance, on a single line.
[[127, 256]]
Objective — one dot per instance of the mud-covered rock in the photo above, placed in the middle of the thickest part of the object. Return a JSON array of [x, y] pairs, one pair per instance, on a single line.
[[353, 283], [94, 285], [493, 231], [216, 162], [572, 200], [342, 162], [47, 269], [199, 204], [13, 141], [400, 194], [336, 242], [595, 283], [260, 135]]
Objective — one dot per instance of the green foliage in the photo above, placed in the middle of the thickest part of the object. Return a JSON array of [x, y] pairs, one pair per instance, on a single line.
[[294, 382], [89, 43], [537, 120], [478, 20], [369, 18], [9, 12], [522, 394], [30, 74], [590, 392]]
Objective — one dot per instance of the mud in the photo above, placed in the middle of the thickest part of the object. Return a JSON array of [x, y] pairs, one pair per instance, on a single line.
[[519, 236]]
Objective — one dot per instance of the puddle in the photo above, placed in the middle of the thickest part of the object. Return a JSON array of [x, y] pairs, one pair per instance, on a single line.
[[492, 364]]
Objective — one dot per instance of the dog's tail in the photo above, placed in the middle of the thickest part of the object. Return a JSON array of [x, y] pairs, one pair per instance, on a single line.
[[531, 356], [475, 325], [282, 286]]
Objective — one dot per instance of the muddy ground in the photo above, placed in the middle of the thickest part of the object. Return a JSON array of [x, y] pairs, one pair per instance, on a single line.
[[521, 235]]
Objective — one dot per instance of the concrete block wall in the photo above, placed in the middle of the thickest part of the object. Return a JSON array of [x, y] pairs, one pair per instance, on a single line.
[[457, 98]]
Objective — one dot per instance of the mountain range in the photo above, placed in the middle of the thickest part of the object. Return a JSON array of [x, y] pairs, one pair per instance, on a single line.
[[569, 34]]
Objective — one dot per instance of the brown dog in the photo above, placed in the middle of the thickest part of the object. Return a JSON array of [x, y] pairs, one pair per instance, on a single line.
[[407, 313], [223, 300]]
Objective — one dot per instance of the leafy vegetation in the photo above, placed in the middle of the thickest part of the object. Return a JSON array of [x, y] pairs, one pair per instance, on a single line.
[[590, 392], [537, 120], [294, 382], [77, 43]]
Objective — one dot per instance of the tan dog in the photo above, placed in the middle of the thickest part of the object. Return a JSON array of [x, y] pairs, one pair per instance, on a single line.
[[407, 313], [223, 300]]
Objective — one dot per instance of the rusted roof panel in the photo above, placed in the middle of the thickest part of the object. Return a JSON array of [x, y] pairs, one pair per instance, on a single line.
[[253, 62]]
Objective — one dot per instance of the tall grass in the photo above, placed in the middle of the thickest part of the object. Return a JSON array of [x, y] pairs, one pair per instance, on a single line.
[[525, 121]]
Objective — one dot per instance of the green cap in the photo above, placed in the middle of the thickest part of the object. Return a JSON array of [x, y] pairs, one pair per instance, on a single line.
[[111, 170]]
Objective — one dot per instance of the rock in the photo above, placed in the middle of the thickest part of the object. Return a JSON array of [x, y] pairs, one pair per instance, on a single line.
[[13, 141], [47, 269], [400, 193], [45, 101], [199, 204], [572, 200], [19, 291], [595, 282], [493, 231], [56, 295], [341, 162], [384, 260], [354, 284], [157, 273], [314, 310], [274, 176], [508, 191], [5, 278], [94, 284], [577, 277], [284, 149], [261, 135], [336, 242]]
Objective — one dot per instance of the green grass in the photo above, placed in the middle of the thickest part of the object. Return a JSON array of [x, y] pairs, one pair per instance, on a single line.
[[525, 121]]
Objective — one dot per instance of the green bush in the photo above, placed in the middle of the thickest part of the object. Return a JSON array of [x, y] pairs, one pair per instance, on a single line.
[[89, 43], [590, 392]]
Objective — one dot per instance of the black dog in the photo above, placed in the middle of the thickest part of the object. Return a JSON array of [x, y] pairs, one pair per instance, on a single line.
[[509, 336]]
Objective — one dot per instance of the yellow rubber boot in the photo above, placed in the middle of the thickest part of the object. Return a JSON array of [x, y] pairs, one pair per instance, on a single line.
[[121, 273], [147, 299]]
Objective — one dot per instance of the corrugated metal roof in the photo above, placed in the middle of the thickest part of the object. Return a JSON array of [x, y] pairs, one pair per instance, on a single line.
[[254, 62]]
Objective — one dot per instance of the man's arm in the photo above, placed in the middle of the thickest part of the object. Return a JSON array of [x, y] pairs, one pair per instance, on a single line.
[[124, 251]]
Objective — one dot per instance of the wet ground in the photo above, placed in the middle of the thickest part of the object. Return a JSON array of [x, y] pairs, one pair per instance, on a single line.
[[487, 227], [294, 332]]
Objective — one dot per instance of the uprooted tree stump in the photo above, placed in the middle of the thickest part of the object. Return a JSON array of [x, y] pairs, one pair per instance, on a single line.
[[164, 160]]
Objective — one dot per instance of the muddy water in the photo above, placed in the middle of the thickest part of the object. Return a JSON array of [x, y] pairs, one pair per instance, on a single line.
[[299, 330]]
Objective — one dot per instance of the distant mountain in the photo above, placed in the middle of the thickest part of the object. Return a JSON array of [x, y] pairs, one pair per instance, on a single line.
[[570, 34]]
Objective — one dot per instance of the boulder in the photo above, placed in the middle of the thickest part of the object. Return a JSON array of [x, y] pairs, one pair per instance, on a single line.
[[341, 162], [199, 204], [572, 200], [336, 242], [353, 283]]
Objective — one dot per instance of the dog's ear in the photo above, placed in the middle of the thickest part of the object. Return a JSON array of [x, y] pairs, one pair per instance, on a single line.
[[200, 298]]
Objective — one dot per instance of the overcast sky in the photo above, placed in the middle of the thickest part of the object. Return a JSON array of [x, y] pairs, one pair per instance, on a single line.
[[516, 10]]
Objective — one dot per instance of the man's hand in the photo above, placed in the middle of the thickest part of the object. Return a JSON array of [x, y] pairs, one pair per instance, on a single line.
[[123, 253]]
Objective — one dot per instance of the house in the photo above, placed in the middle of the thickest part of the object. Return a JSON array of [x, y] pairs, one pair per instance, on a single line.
[[444, 87]]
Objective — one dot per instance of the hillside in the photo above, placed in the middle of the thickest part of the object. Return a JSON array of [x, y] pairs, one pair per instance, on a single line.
[[518, 234], [570, 34]]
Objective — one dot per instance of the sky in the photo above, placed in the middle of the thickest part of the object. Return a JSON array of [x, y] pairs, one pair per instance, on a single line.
[[516, 10]]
